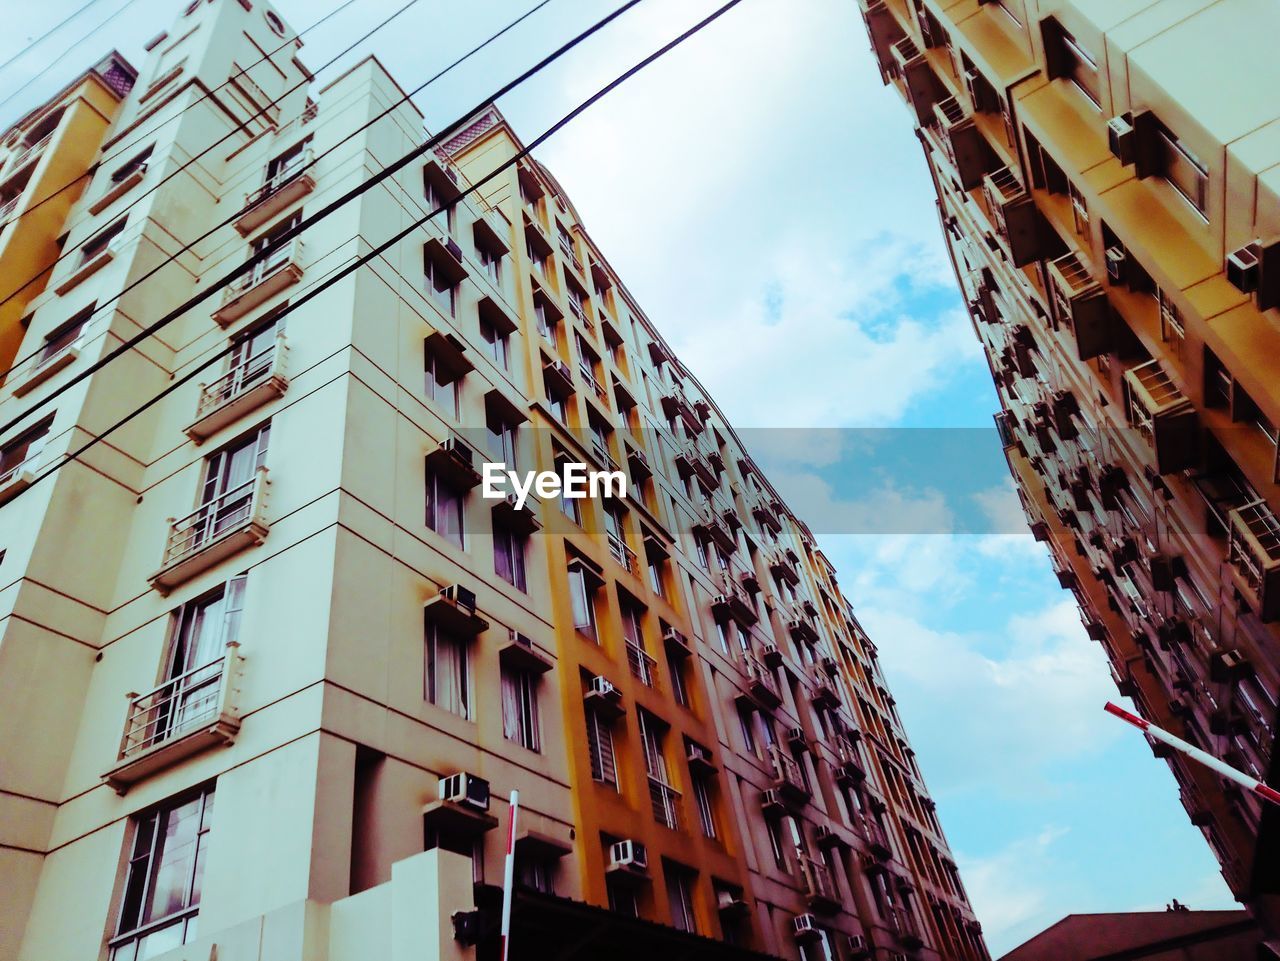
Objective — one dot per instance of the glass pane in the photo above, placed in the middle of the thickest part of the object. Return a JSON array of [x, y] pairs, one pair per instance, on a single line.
[[175, 856]]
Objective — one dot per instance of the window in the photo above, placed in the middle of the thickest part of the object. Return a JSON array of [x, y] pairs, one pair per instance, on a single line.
[[680, 896], [582, 601], [746, 722], [1183, 169], [656, 569], [163, 882], [274, 251], [1079, 211], [65, 336], [679, 686], [445, 508], [226, 495], [288, 164], [1067, 58], [135, 163], [702, 799], [536, 259], [23, 450], [520, 708], [100, 241], [435, 201], [253, 354], [439, 283], [496, 342], [536, 871], [571, 507], [491, 263], [600, 750], [509, 549], [448, 671], [502, 438], [773, 827], [441, 382], [1172, 330]]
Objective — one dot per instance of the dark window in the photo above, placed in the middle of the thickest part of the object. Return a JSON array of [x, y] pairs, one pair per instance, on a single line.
[[445, 507], [99, 242]]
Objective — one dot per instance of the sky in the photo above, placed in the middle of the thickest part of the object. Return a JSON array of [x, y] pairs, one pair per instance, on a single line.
[[764, 198]]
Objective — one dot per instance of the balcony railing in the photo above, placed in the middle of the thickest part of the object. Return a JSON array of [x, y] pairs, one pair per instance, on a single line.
[[761, 682], [623, 554], [819, 888], [281, 268], [8, 207], [566, 248], [589, 376], [183, 715], [1253, 551], [225, 525], [788, 777], [282, 189], [29, 153], [642, 664], [666, 803], [876, 836], [251, 382], [1162, 415]]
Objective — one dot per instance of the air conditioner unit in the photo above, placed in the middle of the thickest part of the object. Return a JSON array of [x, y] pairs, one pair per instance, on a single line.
[[561, 368], [1117, 264], [856, 946], [729, 901], [805, 926], [823, 835], [720, 600], [512, 500], [523, 640], [461, 596], [630, 855], [771, 799], [1120, 138], [795, 735], [698, 754], [463, 788], [1244, 266], [603, 688], [458, 448]]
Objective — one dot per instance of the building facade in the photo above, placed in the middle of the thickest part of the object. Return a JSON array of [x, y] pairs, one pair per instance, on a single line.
[[45, 161], [278, 661], [1106, 178]]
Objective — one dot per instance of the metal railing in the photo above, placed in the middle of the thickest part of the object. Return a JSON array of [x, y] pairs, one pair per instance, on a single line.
[[592, 381], [817, 877], [874, 831], [666, 803], [225, 514], [623, 554], [276, 260], [1149, 391], [28, 153], [1254, 545], [642, 664], [246, 375], [566, 248], [8, 207], [182, 704], [284, 175], [759, 674], [786, 769]]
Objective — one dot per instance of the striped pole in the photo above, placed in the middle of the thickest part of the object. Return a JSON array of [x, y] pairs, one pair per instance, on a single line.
[[509, 873], [1193, 752]]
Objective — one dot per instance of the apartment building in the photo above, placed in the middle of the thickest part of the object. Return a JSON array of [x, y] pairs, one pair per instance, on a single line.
[[284, 660], [1106, 178], [45, 159]]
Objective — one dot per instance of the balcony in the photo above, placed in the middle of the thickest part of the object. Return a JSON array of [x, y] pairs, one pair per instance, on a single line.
[[849, 769], [642, 664], [766, 516], [923, 88], [666, 803], [884, 31], [7, 208], [1163, 416], [733, 603], [557, 378], [226, 525], [457, 462], [182, 717], [281, 191], [788, 779], [824, 692], [803, 630], [904, 926], [877, 838], [589, 378], [676, 404], [251, 383], [638, 461], [963, 142], [28, 154], [1253, 551], [781, 566], [276, 272], [820, 890], [715, 528], [1013, 214], [762, 687], [1081, 302]]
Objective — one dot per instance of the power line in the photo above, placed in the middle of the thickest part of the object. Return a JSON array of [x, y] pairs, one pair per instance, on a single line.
[[128, 148], [54, 61], [235, 216], [47, 34], [401, 235], [288, 234]]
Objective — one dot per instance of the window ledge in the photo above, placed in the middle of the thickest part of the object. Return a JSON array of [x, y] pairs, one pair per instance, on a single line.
[[86, 270], [118, 190]]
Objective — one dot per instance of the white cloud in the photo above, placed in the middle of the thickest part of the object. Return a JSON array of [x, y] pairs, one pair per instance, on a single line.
[[1010, 889]]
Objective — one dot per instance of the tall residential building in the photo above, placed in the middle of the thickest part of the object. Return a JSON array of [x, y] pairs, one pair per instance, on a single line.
[[45, 161], [276, 660], [1107, 183]]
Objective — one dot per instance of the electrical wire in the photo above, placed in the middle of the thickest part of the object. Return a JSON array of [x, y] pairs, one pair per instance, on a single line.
[[55, 61], [401, 235], [129, 147], [288, 234], [365, 126], [47, 34]]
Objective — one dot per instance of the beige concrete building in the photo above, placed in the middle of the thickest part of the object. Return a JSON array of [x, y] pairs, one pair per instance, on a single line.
[[1108, 174], [275, 660]]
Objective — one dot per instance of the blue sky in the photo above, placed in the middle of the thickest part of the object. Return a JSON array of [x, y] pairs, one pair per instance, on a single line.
[[764, 197]]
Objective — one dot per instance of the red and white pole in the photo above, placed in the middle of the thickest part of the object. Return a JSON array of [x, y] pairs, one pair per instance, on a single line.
[[509, 873], [1193, 752]]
